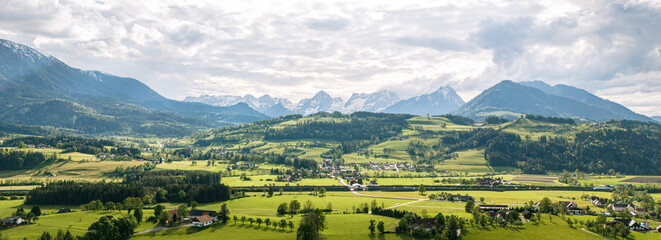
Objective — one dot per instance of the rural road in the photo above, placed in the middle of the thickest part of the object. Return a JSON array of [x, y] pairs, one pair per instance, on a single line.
[[162, 228], [585, 230], [404, 198]]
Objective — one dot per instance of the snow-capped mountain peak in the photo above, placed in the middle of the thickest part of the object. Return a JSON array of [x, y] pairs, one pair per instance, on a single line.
[[25, 52], [381, 101]]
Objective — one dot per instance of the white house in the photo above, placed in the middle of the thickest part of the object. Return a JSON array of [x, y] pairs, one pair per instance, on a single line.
[[202, 221]]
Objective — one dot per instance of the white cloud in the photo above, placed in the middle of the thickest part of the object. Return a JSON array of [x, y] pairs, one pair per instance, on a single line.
[[296, 48]]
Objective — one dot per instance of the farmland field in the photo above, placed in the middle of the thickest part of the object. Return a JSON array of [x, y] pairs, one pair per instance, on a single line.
[[643, 180]]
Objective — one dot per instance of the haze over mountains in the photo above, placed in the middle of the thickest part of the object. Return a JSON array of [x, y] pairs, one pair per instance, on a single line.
[[37, 89]]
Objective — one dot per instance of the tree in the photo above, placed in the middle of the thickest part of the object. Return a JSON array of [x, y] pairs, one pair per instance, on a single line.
[[439, 220], [235, 219], [251, 220], [243, 219], [158, 209], [450, 230], [193, 204], [267, 221], [282, 209], [45, 236], [224, 213], [405, 222], [372, 227], [138, 215], [36, 211], [291, 225], [294, 206], [311, 225], [421, 189], [283, 224], [469, 206], [132, 203], [482, 199], [110, 206], [381, 226], [259, 222], [322, 191], [308, 206], [104, 229], [182, 212], [545, 205], [163, 218]]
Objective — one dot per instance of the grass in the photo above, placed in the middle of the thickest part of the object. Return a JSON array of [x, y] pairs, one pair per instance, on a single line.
[[73, 170], [12, 188], [508, 197], [471, 161], [551, 230], [436, 124], [261, 180]]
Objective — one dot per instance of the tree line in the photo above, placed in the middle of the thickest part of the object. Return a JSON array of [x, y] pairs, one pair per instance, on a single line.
[[600, 150]]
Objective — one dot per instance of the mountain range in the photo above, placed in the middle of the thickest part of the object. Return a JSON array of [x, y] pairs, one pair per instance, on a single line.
[[510, 99], [442, 101], [657, 118], [38, 89]]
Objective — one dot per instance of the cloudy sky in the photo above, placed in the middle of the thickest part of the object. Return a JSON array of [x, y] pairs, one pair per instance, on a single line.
[[295, 48]]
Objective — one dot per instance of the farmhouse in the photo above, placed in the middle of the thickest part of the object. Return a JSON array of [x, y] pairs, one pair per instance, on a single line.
[[621, 207], [427, 223], [202, 221], [198, 213], [571, 204], [487, 182], [597, 201], [64, 210], [574, 211], [526, 214], [12, 221], [373, 183], [459, 198], [491, 207]]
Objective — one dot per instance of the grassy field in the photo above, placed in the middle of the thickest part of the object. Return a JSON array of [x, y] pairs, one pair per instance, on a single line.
[[75, 156], [471, 161], [436, 124], [73, 170], [340, 226], [261, 180], [551, 230], [509, 197]]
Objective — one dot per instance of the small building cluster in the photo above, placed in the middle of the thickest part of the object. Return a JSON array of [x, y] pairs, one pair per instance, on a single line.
[[631, 224], [490, 182], [199, 218], [9, 222]]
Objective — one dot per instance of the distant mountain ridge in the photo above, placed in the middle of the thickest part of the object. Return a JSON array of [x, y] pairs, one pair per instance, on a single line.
[[508, 98], [657, 119], [442, 101], [36, 87]]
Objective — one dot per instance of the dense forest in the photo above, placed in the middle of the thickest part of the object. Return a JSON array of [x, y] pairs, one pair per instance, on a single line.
[[74, 193], [73, 144], [19, 160], [598, 150], [163, 186]]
